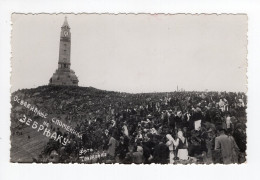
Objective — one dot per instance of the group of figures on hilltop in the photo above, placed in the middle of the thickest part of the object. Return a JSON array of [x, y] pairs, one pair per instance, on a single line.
[[164, 128]]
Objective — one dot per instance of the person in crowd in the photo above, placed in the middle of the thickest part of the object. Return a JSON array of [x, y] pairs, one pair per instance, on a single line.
[[210, 142], [138, 155], [182, 147], [122, 147], [227, 146], [112, 146], [229, 125], [240, 139], [178, 120], [172, 144], [161, 151], [197, 118]]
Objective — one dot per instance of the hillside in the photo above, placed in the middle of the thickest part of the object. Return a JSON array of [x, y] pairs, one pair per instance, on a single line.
[[82, 115], [60, 102], [67, 103]]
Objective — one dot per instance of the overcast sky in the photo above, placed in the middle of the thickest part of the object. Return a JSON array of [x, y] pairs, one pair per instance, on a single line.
[[134, 53]]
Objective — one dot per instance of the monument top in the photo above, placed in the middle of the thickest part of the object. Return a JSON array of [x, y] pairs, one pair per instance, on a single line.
[[65, 23]]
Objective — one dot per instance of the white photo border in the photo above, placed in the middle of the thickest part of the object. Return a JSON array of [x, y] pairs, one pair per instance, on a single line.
[[248, 170]]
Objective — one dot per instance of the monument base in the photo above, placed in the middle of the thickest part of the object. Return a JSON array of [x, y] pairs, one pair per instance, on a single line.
[[64, 77]]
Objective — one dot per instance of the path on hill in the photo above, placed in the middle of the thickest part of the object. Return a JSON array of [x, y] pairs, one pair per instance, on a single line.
[[24, 149]]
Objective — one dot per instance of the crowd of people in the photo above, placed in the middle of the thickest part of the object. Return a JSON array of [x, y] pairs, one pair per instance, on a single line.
[[165, 128]]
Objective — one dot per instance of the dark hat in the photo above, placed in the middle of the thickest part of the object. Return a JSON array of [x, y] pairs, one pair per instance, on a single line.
[[220, 128], [239, 126]]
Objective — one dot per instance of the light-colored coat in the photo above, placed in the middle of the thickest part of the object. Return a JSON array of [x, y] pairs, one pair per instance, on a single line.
[[226, 145]]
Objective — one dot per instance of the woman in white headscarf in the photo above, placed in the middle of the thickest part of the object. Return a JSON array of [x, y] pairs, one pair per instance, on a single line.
[[172, 144], [182, 147]]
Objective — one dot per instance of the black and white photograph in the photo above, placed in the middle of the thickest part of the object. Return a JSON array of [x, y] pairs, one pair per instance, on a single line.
[[129, 88]]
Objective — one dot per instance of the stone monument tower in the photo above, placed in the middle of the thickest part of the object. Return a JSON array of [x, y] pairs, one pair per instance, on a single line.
[[64, 75]]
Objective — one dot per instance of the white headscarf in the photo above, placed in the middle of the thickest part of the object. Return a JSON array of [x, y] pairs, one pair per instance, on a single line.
[[169, 137], [125, 130], [179, 113]]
